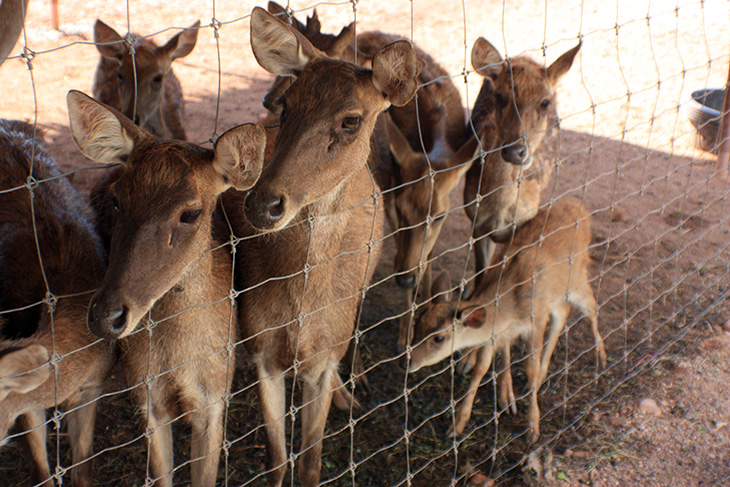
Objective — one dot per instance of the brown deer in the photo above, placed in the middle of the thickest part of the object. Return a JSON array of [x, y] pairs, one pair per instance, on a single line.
[[321, 224], [12, 17], [422, 203], [517, 97], [137, 79], [543, 271], [167, 271], [51, 259]]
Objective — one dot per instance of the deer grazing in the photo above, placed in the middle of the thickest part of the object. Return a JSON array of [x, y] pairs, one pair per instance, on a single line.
[[166, 270], [422, 204], [320, 224], [544, 270], [137, 79], [53, 279], [516, 98]]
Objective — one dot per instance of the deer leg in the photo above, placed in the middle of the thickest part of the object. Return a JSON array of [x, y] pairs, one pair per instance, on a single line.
[[160, 446], [271, 390], [317, 396], [206, 443], [81, 435], [533, 375], [583, 300], [558, 315], [506, 397], [467, 361], [405, 335], [484, 361], [34, 443]]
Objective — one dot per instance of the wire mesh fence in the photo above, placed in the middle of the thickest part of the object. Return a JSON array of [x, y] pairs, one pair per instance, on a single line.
[[619, 144]]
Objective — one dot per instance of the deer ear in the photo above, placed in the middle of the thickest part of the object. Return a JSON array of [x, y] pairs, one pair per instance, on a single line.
[[108, 42], [343, 39], [239, 155], [23, 370], [278, 48], [485, 58], [561, 65], [101, 133], [408, 159], [182, 43], [473, 316], [395, 72], [441, 288]]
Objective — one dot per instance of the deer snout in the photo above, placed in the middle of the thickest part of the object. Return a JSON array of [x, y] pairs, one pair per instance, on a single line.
[[517, 154], [104, 322], [407, 281], [264, 211]]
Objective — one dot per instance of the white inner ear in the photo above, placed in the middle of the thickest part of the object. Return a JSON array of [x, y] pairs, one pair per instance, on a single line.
[[99, 134]]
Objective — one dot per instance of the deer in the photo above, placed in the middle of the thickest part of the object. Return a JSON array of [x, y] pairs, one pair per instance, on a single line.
[[169, 272], [136, 78], [516, 99], [12, 18], [540, 275], [422, 204], [51, 259], [317, 237]]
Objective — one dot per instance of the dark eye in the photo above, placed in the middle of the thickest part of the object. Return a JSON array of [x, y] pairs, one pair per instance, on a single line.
[[157, 79], [120, 78], [501, 100], [115, 204], [189, 216], [350, 124], [544, 105], [438, 339]]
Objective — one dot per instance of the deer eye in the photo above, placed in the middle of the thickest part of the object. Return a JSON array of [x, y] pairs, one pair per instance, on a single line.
[[115, 204], [157, 79], [120, 78], [544, 105], [351, 124], [189, 216], [438, 339]]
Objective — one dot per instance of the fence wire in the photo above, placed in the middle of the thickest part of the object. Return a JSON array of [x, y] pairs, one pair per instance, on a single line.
[[620, 143]]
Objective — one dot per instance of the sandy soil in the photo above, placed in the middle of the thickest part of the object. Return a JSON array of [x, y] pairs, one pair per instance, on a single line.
[[625, 147]]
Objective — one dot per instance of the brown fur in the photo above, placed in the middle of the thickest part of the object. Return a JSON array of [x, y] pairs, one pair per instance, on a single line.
[[73, 263], [157, 102], [512, 113], [313, 270], [161, 266], [542, 272], [12, 16]]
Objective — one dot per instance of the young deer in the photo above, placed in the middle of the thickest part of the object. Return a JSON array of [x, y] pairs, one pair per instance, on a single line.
[[517, 98], [544, 271], [138, 80], [314, 203], [421, 205], [165, 269], [56, 252]]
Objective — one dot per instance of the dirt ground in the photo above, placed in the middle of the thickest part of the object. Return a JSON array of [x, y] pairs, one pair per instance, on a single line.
[[624, 146]]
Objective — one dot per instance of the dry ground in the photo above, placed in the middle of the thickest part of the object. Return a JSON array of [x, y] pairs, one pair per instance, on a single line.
[[625, 147]]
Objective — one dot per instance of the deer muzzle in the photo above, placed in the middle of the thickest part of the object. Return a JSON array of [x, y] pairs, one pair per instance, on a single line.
[[264, 211]]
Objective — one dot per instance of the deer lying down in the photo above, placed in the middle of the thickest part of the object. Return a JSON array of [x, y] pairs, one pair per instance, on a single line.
[[516, 98], [320, 227], [72, 265], [422, 204], [143, 86], [162, 270], [545, 270]]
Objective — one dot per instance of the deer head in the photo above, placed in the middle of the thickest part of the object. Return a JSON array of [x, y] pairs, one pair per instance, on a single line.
[[327, 117], [524, 94], [163, 203]]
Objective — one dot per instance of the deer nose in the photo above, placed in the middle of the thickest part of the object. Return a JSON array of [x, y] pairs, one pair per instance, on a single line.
[[106, 323], [407, 281], [263, 212], [516, 154]]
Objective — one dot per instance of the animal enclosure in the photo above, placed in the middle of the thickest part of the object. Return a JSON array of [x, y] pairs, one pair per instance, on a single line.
[[621, 145]]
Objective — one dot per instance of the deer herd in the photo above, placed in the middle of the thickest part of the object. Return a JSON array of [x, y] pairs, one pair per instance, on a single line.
[[183, 253]]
